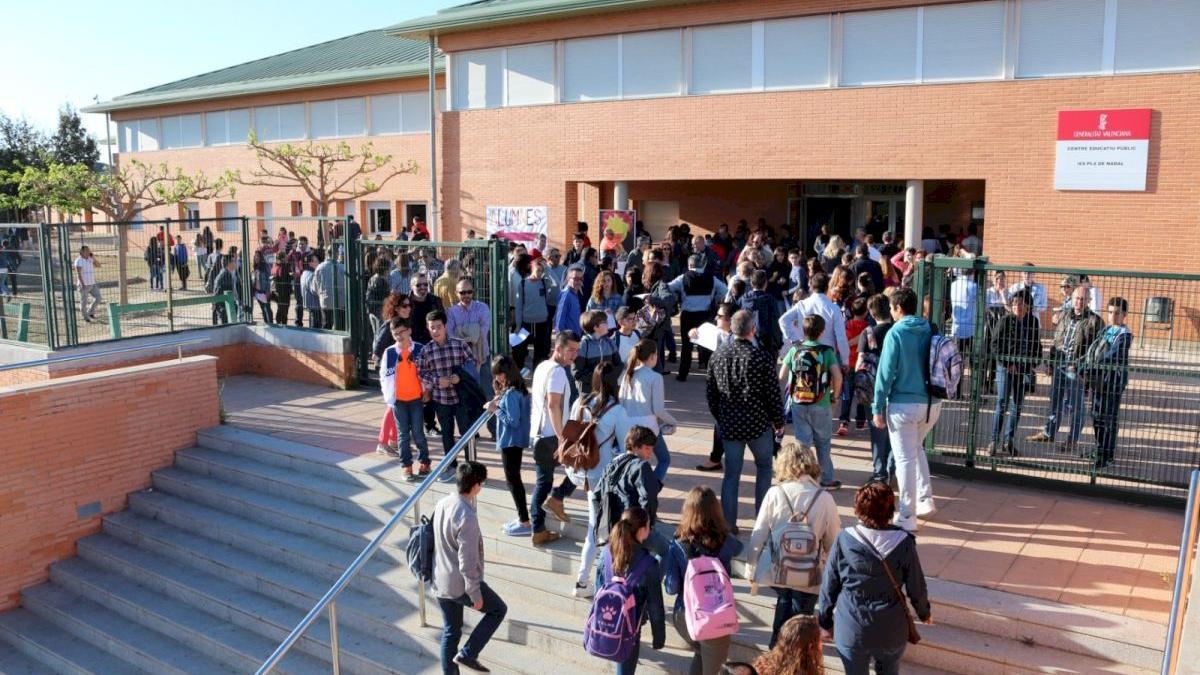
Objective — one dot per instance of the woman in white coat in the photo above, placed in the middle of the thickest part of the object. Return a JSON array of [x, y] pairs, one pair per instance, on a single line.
[[797, 497], [644, 400]]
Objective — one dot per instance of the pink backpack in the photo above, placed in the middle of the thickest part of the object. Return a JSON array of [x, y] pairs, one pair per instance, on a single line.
[[708, 599]]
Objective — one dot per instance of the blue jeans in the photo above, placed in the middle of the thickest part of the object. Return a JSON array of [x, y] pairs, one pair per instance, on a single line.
[[493, 611], [788, 603], [814, 428], [857, 661], [446, 416], [763, 450], [1009, 387], [662, 458], [883, 464], [1065, 388], [408, 416], [860, 410], [1106, 413], [543, 481], [156, 276]]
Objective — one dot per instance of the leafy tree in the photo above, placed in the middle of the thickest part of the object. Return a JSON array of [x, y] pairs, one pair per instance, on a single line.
[[326, 173], [21, 145], [71, 143]]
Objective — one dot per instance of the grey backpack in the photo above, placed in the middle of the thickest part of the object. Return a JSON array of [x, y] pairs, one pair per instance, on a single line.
[[795, 550]]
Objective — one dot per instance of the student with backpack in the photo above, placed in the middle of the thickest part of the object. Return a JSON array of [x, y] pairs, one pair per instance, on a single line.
[[458, 572], [793, 535], [512, 409], [603, 408], [811, 374], [866, 366], [905, 406], [594, 349], [698, 574], [629, 481], [629, 595], [872, 566]]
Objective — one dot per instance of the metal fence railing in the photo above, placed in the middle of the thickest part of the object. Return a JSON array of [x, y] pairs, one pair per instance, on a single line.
[[22, 310], [1178, 624], [1064, 395]]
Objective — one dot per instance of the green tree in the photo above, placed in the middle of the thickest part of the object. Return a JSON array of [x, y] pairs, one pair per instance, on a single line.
[[21, 145], [71, 143]]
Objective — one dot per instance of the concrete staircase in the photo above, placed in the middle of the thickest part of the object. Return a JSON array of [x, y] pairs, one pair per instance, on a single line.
[[207, 572]]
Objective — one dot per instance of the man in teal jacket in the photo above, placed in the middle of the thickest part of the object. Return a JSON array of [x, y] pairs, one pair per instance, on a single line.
[[904, 407]]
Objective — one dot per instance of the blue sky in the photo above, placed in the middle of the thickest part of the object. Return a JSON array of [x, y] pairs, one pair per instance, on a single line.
[[58, 51]]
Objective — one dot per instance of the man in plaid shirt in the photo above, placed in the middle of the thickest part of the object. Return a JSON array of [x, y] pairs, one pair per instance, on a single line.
[[436, 364]]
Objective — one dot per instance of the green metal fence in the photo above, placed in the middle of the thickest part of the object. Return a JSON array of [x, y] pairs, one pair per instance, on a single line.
[[483, 261], [1074, 400]]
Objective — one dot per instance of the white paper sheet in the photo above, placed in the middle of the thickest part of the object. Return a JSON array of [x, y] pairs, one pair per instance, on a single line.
[[708, 336], [518, 337]]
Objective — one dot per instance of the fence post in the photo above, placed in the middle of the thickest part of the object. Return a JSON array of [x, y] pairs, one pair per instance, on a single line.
[[70, 321], [167, 256], [498, 264], [246, 292], [353, 298], [47, 265], [978, 350]]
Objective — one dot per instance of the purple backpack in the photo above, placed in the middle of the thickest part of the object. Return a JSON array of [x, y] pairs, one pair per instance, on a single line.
[[611, 631]]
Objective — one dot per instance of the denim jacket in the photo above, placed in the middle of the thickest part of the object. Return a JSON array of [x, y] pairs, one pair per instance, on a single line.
[[512, 414], [677, 563]]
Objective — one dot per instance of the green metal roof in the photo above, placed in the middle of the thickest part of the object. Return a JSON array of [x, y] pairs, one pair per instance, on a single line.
[[487, 13], [370, 55]]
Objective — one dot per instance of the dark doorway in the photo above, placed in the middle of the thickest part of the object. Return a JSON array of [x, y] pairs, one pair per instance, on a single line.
[[831, 211], [413, 210]]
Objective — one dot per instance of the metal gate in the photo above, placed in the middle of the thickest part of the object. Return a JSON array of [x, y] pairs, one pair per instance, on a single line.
[[484, 261], [1158, 417]]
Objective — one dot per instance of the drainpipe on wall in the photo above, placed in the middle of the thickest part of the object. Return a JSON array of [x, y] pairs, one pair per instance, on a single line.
[[435, 231]]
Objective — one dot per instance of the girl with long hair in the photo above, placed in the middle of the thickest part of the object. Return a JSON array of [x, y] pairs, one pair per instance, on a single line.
[[797, 652], [396, 305], [625, 551], [605, 297], [702, 531], [643, 397], [512, 408], [604, 407]]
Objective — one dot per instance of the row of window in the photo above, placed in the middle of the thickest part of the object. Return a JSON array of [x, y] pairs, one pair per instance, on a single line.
[[989, 40], [342, 118]]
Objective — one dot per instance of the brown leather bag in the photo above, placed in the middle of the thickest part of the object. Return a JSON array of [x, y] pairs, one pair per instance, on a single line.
[[914, 637], [581, 450]]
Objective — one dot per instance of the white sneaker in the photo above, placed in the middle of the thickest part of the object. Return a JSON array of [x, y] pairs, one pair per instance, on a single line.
[[583, 590], [926, 509]]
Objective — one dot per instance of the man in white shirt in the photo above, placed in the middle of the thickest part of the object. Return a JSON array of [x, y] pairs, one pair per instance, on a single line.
[[791, 323], [85, 271], [550, 398], [1038, 291]]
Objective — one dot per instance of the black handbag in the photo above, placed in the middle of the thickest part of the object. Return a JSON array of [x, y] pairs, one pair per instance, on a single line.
[[544, 451]]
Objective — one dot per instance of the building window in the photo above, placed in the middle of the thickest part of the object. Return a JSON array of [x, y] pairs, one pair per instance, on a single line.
[[379, 217], [722, 59], [147, 135], [963, 42], [530, 74], [651, 64], [181, 131], [879, 47], [337, 119], [414, 112], [127, 137], [1061, 37], [590, 69], [478, 79], [796, 52], [385, 115], [228, 213], [279, 122], [1157, 35], [191, 216]]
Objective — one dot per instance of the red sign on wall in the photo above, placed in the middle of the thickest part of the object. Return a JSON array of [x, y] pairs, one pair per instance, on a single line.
[[1102, 149]]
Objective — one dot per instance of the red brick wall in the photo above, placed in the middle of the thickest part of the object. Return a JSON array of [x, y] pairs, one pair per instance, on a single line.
[[74, 441]]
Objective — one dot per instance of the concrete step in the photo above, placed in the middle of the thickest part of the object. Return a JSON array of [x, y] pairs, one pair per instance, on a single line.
[[1024, 619], [131, 642], [14, 662], [141, 597], [49, 645]]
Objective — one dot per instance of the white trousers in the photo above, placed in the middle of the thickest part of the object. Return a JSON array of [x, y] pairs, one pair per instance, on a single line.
[[907, 428]]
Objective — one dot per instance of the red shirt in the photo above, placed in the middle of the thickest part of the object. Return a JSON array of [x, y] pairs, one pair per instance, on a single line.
[[854, 328]]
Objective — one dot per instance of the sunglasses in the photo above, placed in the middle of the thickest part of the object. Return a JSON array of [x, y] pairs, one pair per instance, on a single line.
[[422, 285], [466, 292], [406, 305]]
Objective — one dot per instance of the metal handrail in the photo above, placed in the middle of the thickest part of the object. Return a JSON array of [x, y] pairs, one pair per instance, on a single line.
[[328, 600], [1183, 576], [177, 342]]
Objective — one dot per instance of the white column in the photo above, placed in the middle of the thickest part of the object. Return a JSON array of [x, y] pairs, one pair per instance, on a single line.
[[621, 195], [914, 212]]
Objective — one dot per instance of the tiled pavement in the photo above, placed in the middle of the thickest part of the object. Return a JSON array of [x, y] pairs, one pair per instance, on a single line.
[[1101, 554]]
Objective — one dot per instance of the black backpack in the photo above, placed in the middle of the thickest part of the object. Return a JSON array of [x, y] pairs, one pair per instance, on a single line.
[[611, 496], [420, 550]]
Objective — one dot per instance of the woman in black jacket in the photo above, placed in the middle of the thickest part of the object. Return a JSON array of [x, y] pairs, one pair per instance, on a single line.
[[872, 565]]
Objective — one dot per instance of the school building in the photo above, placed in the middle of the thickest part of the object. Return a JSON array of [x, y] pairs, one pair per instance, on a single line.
[[1066, 130]]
